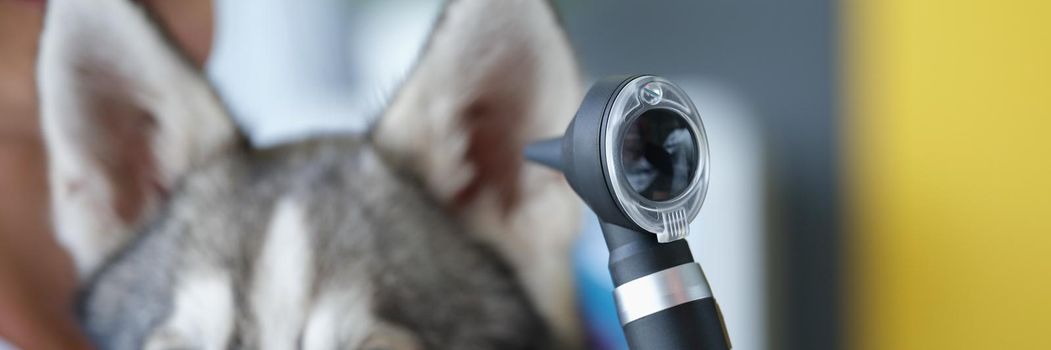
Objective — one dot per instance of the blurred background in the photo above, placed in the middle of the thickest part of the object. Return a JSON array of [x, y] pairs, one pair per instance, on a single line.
[[881, 173]]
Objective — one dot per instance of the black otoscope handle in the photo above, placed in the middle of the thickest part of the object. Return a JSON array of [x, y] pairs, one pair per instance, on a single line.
[[693, 325], [663, 299]]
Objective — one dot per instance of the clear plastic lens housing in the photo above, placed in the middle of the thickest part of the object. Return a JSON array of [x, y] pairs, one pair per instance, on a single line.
[[657, 152]]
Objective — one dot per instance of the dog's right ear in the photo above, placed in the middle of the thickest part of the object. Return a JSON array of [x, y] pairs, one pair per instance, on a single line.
[[125, 115]]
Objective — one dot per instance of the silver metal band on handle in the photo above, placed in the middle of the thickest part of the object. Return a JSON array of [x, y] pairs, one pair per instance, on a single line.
[[660, 290]]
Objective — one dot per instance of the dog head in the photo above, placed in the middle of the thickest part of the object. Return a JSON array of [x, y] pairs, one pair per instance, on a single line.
[[429, 232]]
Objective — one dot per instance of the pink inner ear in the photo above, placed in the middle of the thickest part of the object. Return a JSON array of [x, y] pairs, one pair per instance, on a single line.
[[121, 135], [495, 148]]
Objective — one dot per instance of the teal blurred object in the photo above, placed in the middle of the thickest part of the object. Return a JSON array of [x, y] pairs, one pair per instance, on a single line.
[[595, 289]]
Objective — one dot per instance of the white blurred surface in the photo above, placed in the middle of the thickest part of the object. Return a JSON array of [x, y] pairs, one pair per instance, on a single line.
[[293, 68], [728, 235]]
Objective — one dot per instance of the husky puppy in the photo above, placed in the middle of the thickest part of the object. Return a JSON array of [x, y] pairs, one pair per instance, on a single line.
[[427, 232]]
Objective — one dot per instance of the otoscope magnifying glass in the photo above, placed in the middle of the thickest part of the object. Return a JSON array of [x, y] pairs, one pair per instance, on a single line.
[[637, 154]]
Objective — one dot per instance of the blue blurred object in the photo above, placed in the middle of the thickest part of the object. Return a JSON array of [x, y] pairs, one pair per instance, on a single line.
[[595, 288]]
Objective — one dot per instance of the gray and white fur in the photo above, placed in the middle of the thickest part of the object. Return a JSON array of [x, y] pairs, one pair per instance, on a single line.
[[428, 232]]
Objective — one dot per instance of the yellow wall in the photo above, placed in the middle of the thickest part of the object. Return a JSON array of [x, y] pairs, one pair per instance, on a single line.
[[949, 136]]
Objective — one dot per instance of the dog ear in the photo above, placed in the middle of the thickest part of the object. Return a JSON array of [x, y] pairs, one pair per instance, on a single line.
[[124, 116], [494, 76]]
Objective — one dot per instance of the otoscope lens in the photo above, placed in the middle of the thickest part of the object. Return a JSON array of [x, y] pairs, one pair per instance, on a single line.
[[659, 154]]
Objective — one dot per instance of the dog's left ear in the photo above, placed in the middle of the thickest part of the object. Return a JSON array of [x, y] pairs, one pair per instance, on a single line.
[[125, 117], [494, 76]]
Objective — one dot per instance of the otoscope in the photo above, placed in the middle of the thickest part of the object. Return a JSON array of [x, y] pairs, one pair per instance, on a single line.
[[637, 154]]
